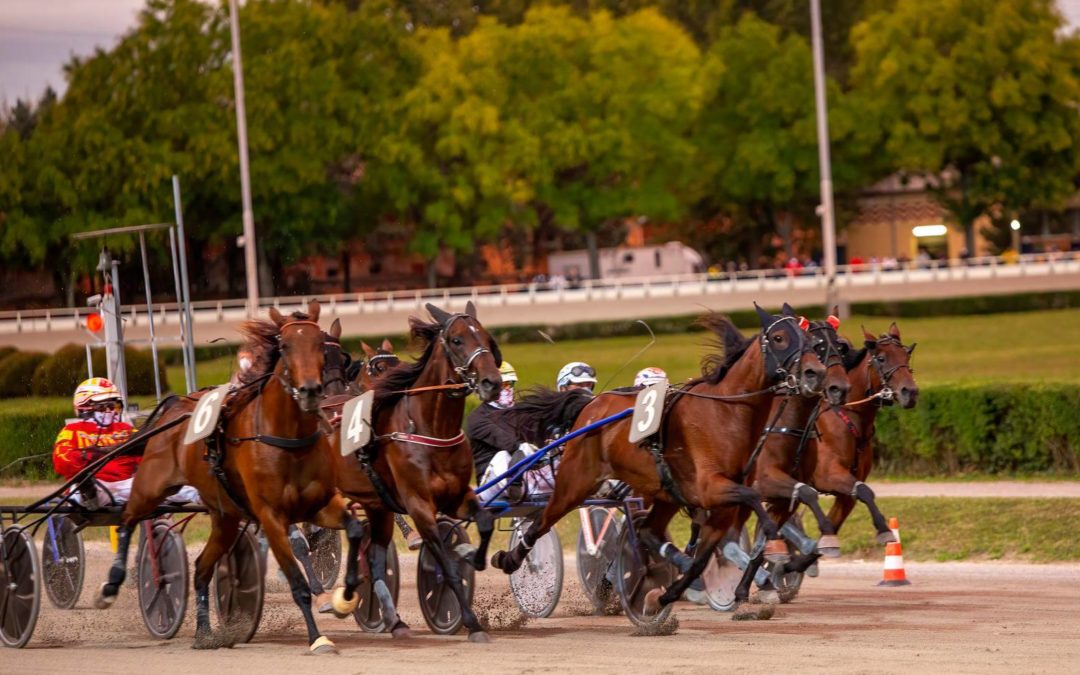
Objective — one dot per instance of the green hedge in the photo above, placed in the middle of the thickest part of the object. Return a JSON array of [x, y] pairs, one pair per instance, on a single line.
[[65, 369], [17, 373], [996, 429], [30, 430]]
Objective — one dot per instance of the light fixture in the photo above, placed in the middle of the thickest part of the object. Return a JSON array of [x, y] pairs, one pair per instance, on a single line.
[[929, 231], [1015, 225]]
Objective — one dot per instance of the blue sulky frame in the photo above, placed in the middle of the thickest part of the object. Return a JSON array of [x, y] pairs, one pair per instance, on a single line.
[[504, 509]]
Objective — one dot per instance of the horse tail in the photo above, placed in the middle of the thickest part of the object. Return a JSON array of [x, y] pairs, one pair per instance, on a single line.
[[542, 409]]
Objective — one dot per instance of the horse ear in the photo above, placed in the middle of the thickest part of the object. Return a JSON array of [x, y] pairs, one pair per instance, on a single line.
[[335, 329], [387, 346], [766, 318], [788, 310], [367, 349], [276, 317], [313, 311], [870, 337], [440, 316], [911, 349], [470, 309], [894, 331]]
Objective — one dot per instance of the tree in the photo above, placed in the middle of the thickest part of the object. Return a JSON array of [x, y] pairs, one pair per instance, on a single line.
[[756, 135], [980, 94]]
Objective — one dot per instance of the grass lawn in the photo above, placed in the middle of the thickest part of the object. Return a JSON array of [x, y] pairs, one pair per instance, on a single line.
[[1023, 347]]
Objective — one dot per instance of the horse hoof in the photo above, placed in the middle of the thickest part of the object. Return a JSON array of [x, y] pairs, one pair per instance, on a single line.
[[652, 601], [748, 612], [696, 597], [829, 546], [479, 637], [812, 571], [401, 631], [886, 537], [322, 645], [343, 607], [204, 639], [501, 560], [465, 550], [103, 601], [478, 562], [776, 552]]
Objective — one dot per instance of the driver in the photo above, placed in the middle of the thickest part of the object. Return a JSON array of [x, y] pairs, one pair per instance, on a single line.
[[490, 439], [98, 405], [649, 376]]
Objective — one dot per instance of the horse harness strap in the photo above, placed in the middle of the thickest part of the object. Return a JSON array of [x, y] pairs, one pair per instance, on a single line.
[[429, 441], [387, 497], [860, 442], [279, 442]]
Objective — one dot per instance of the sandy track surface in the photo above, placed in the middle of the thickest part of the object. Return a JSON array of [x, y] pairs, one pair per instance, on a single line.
[[1000, 488], [956, 617]]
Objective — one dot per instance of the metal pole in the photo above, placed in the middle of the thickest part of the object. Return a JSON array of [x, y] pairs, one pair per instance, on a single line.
[[828, 224], [180, 311], [250, 257], [121, 362], [185, 288], [150, 315]]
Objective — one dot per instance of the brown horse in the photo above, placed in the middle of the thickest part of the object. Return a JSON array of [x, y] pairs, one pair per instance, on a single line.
[[699, 459], [841, 459], [377, 362], [420, 462], [774, 473], [276, 467]]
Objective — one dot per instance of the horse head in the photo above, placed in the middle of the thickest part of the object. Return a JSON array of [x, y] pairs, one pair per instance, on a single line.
[[789, 356], [300, 342], [890, 362], [336, 361], [471, 351], [830, 350]]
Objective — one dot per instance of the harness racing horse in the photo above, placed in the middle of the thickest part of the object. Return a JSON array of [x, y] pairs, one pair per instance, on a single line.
[[782, 455], [419, 461], [377, 362], [841, 458], [269, 462], [698, 460]]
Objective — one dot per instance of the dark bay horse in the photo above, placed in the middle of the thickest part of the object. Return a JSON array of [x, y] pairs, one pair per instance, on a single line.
[[709, 433], [841, 459], [777, 474], [419, 457], [377, 362], [276, 467]]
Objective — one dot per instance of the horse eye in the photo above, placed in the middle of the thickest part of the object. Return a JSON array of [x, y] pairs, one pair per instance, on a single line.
[[456, 341]]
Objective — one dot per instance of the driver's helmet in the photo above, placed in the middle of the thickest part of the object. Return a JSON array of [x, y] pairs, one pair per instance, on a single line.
[[96, 394], [648, 376], [508, 373], [575, 372]]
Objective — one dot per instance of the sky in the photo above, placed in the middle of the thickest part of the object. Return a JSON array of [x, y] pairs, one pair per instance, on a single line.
[[38, 36]]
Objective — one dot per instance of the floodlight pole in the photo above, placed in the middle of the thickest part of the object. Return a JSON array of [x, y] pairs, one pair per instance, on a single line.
[[250, 257], [828, 222]]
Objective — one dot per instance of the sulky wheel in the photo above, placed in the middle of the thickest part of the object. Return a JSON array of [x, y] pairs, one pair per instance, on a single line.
[[722, 576], [326, 554], [368, 614], [162, 567], [62, 562], [638, 571], [594, 562], [20, 587], [537, 584], [239, 587], [438, 603]]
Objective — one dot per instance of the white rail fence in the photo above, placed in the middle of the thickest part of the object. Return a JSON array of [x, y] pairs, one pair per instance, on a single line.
[[994, 271]]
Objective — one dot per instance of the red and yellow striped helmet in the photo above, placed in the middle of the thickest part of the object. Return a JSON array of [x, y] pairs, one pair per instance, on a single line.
[[92, 391]]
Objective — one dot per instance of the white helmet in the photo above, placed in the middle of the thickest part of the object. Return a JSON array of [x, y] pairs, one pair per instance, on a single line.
[[508, 373], [650, 375], [575, 372]]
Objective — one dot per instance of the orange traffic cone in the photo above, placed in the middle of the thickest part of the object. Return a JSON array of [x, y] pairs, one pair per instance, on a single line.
[[894, 559]]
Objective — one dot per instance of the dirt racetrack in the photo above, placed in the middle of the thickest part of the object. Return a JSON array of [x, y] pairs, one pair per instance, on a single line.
[[956, 617]]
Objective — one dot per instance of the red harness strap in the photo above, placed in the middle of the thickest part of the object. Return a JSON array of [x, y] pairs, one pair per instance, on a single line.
[[417, 439]]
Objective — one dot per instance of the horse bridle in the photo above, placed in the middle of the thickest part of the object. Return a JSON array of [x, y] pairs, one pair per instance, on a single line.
[[370, 365], [784, 370], [283, 377], [339, 372], [461, 366], [832, 353], [887, 395]]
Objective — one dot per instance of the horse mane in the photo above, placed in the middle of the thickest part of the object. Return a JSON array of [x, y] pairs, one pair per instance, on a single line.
[[404, 375], [541, 409], [729, 343], [853, 357]]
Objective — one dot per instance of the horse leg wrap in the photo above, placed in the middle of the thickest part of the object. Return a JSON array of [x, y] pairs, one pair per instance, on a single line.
[[402, 524], [673, 555], [855, 489], [796, 495], [793, 533], [389, 612]]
